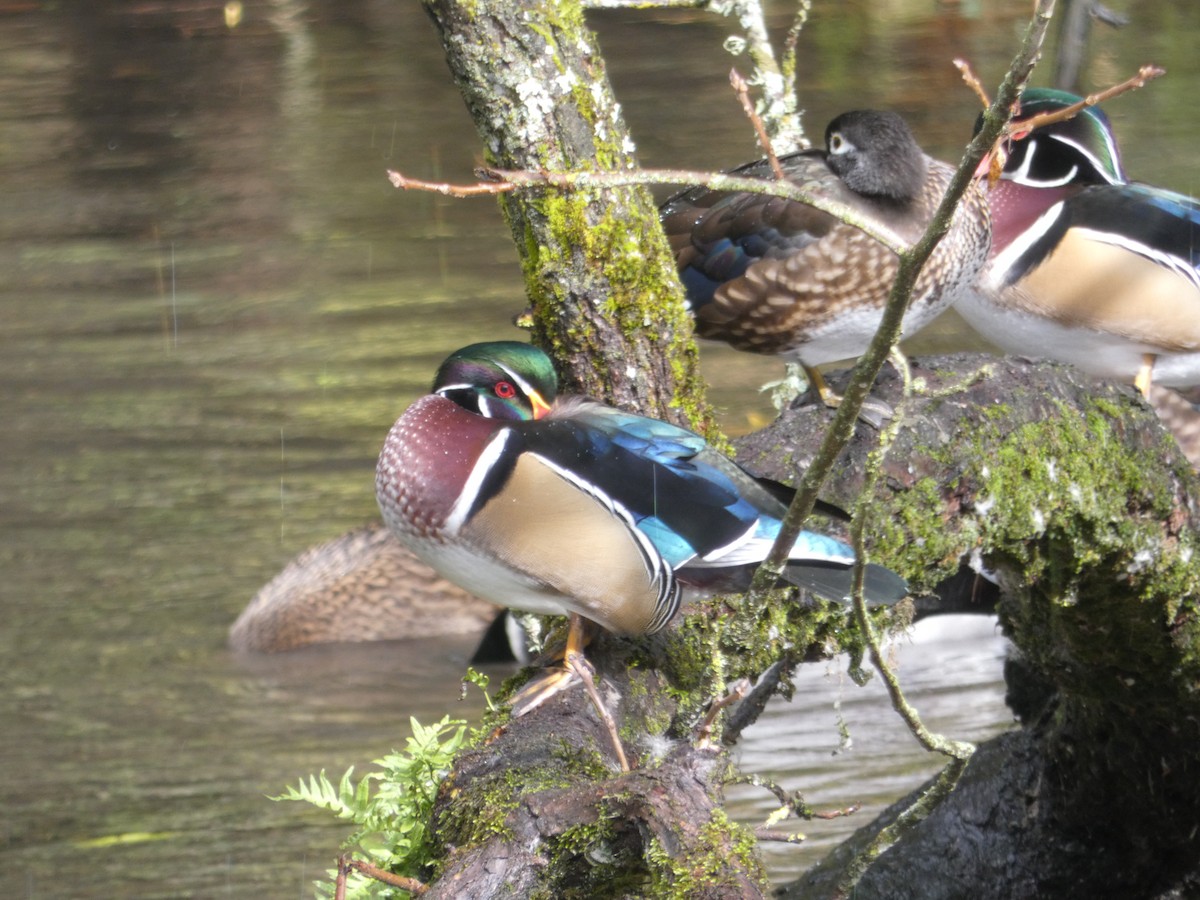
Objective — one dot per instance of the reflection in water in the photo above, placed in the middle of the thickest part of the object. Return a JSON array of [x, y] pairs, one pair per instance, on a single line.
[[213, 308]]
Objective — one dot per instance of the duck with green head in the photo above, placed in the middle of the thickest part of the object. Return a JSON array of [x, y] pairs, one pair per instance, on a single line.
[[561, 505], [1087, 267]]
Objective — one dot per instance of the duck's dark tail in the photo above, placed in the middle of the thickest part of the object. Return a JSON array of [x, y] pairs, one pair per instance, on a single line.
[[834, 581]]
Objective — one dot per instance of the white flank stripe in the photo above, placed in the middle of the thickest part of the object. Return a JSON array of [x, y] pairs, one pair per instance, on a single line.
[[1167, 260], [470, 492], [1007, 257]]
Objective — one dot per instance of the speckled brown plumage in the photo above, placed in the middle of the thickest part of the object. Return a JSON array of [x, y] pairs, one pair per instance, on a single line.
[[362, 586], [788, 279]]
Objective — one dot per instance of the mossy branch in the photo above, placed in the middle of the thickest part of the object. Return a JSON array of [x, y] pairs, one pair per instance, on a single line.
[[605, 301], [928, 801], [859, 524]]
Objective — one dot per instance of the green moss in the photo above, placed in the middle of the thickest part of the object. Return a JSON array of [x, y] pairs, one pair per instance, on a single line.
[[692, 666], [910, 540], [1105, 583], [595, 862], [724, 846], [655, 710], [718, 644], [486, 816]]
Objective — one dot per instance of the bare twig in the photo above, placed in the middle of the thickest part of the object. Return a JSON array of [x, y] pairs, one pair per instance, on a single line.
[[792, 803], [743, 92], [779, 112], [345, 864], [787, 837], [838, 813], [502, 180], [704, 732], [973, 82], [1017, 129], [404, 183], [1144, 75], [756, 701], [858, 527], [339, 884], [645, 4], [583, 670]]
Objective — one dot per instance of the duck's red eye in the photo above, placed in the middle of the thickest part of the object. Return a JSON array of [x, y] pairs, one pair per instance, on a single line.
[[505, 390]]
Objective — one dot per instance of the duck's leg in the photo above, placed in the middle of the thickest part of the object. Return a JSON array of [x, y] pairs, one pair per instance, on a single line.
[[575, 665], [817, 382], [1145, 375], [541, 687], [874, 412]]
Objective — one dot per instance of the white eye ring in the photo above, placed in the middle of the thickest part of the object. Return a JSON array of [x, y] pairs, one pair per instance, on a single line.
[[838, 144]]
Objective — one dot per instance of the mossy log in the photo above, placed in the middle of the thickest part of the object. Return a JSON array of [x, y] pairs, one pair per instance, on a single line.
[[1066, 492]]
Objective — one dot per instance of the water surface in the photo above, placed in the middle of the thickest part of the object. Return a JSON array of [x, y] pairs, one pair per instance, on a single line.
[[214, 305]]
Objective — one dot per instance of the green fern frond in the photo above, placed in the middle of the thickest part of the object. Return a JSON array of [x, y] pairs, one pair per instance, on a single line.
[[392, 819]]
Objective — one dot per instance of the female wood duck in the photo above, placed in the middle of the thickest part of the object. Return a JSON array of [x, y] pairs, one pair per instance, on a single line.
[[1087, 267], [361, 586], [774, 276], [566, 506]]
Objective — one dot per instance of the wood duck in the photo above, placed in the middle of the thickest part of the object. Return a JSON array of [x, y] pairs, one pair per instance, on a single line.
[[1087, 267], [566, 506], [362, 586], [774, 276]]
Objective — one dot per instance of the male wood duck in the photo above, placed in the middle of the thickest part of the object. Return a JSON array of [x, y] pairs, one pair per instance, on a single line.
[[1087, 267], [567, 506], [774, 276]]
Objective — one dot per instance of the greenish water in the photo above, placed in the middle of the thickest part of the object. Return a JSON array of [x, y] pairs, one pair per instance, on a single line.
[[213, 306]]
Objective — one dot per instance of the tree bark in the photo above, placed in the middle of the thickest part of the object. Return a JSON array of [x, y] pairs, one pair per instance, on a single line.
[[601, 278]]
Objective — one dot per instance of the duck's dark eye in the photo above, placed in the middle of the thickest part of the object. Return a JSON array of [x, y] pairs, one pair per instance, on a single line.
[[504, 390], [837, 143]]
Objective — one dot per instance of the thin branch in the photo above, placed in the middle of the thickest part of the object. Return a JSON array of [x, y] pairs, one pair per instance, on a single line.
[[483, 188], [788, 65], [973, 82], [645, 4], [1144, 75], [787, 837], [945, 783], [501, 180], [345, 864], [583, 670], [704, 732], [858, 526], [752, 706], [779, 99], [1018, 129], [793, 803], [742, 89]]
